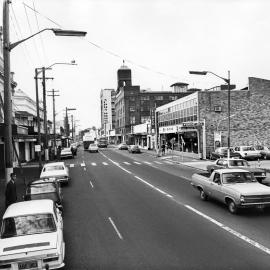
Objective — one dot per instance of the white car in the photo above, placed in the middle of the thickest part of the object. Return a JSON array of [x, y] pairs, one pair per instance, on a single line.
[[93, 147], [66, 153], [248, 152], [32, 236], [57, 170]]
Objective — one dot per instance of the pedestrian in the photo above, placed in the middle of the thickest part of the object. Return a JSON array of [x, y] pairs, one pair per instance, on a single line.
[[11, 191], [163, 149]]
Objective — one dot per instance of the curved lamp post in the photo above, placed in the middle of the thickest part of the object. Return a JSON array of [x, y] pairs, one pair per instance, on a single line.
[[228, 81], [7, 80]]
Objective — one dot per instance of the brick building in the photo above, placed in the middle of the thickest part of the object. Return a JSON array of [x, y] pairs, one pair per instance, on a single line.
[[201, 119], [134, 106]]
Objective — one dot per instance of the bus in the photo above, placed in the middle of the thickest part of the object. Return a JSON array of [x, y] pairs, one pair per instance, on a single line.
[[88, 138]]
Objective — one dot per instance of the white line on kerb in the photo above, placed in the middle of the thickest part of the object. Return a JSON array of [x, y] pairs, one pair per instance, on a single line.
[[230, 230], [115, 228], [91, 184]]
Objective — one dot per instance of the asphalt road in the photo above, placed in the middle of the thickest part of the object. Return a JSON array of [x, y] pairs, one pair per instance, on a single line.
[[135, 211]]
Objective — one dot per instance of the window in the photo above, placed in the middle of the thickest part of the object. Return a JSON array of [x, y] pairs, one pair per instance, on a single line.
[[145, 98], [145, 119], [132, 120], [132, 108], [158, 97]]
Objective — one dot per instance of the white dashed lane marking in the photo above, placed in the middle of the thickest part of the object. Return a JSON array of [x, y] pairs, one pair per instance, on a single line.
[[137, 162], [105, 163], [158, 162], [127, 163], [82, 164], [146, 162], [94, 164]]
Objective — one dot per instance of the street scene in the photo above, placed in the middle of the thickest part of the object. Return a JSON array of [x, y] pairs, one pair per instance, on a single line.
[[132, 139]]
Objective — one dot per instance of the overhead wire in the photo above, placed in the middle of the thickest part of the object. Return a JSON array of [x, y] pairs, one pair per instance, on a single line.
[[31, 32], [25, 50], [40, 36], [109, 51]]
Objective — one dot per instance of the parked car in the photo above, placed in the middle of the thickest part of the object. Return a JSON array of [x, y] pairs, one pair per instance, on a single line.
[[93, 147], [248, 152], [123, 146], [32, 236], [66, 153], [45, 189], [57, 170], [134, 149], [235, 163], [221, 152], [264, 151], [237, 188]]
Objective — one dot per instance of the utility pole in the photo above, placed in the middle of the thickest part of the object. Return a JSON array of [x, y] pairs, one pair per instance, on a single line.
[[45, 114], [38, 119], [54, 132], [7, 93], [72, 127]]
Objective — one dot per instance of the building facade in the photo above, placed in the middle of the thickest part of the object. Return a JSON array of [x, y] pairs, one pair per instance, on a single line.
[[107, 104], [198, 123], [134, 106]]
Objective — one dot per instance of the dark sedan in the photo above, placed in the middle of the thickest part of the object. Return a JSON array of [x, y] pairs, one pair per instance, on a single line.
[[222, 152], [45, 189], [123, 146], [134, 149]]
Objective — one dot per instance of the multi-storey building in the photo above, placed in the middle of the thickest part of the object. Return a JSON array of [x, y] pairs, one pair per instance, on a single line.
[[134, 106], [107, 104], [198, 123]]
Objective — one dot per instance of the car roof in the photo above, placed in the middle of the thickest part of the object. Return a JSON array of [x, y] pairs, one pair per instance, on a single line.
[[54, 164], [29, 207], [231, 170], [42, 181], [232, 159]]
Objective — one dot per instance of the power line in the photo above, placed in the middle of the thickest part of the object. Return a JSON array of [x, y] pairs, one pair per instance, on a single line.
[[26, 52], [40, 36], [111, 52], [31, 32]]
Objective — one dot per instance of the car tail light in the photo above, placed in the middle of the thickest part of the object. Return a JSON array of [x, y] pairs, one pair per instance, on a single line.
[[51, 259], [5, 266]]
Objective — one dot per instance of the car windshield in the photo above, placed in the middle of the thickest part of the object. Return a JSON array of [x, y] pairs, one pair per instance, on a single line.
[[93, 145], [238, 163], [26, 225], [237, 177], [66, 150], [46, 195], [53, 168]]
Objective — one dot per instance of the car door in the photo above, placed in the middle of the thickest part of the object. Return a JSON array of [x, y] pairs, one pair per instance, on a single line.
[[216, 187]]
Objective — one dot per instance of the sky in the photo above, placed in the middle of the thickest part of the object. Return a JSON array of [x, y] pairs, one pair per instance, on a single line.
[[160, 40]]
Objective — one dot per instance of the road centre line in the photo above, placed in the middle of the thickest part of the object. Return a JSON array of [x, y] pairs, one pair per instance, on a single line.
[[115, 228], [230, 230], [93, 164], [91, 184], [219, 224]]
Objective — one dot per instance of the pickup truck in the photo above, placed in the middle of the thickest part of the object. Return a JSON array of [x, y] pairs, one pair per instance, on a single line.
[[237, 188]]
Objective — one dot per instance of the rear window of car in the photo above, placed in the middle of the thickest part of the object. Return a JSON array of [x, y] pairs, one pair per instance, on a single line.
[[248, 148], [27, 225], [41, 188], [53, 168]]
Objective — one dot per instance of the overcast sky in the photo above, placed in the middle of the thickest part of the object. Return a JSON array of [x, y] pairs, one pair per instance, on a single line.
[[161, 40]]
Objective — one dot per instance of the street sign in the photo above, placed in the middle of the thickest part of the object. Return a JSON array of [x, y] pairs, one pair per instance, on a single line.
[[37, 148]]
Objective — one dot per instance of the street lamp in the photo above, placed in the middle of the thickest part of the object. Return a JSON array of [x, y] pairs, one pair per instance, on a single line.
[[228, 81], [7, 80], [37, 72]]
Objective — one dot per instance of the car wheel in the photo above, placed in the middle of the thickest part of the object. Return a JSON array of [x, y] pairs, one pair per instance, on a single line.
[[232, 207], [203, 196]]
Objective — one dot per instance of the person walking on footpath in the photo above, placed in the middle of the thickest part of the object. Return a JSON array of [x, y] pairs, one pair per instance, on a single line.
[[11, 191], [163, 149]]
